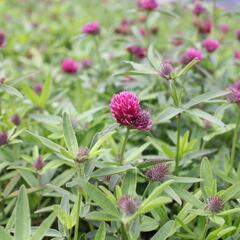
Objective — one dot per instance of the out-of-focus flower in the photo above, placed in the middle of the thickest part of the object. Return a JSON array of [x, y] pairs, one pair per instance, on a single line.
[[38, 164], [177, 41], [215, 204], [123, 28], [16, 120], [147, 5], [204, 26], [166, 70], [128, 79], [234, 96], [210, 45], [92, 28], [207, 124], [198, 8], [82, 153], [157, 172], [3, 138], [69, 65], [137, 51], [154, 30], [2, 39], [236, 55], [190, 54], [143, 121], [125, 108], [224, 28], [142, 31], [86, 63], [238, 34], [38, 87], [128, 205]]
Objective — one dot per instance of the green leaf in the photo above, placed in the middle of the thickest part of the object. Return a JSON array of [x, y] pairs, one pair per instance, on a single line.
[[165, 231], [101, 216], [46, 142], [207, 176], [148, 224], [157, 191], [205, 97], [153, 60], [168, 114], [101, 233], [129, 183], [206, 116], [111, 171], [188, 197], [11, 90], [153, 203], [4, 234], [230, 192], [23, 220], [29, 93], [100, 198], [187, 67], [184, 179], [43, 228], [229, 212], [69, 135], [135, 153], [46, 91]]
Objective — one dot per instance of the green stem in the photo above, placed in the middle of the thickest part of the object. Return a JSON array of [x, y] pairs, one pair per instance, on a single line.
[[78, 214], [178, 144], [124, 232], [102, 67], [124, 146], [234, 142]]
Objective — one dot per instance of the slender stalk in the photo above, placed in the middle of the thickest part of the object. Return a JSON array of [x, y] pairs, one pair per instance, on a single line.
[[124, 232], [100, 59], [124, 146], [178, 118], [234, 142], [79, 169], [78, 214]]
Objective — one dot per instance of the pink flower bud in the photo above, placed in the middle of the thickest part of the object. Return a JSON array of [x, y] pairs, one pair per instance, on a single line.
[[198, 8], [16, 120], [69, 65], [190, 54], [215, 204], [2, 39], [92, 28], [137, 51], [128, 205], [3, 138], [157, 172], [211, 45], [147, 5]]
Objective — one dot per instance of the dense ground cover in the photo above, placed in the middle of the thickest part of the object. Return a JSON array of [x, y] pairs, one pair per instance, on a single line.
[[119, 120]]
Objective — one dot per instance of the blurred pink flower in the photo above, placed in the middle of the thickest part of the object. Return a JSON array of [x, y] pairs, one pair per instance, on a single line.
[[234, 96], [236, 55], [2, 39], [38, 87], [92, 28], [198, 8], [204, 26], [238, 34], [148, 5], [16, 120], [166, 70], [38, 164], [210, 45], [69, 65], [137, 51], [224, 28], [190, 54], [3, 138], [123, 28]]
